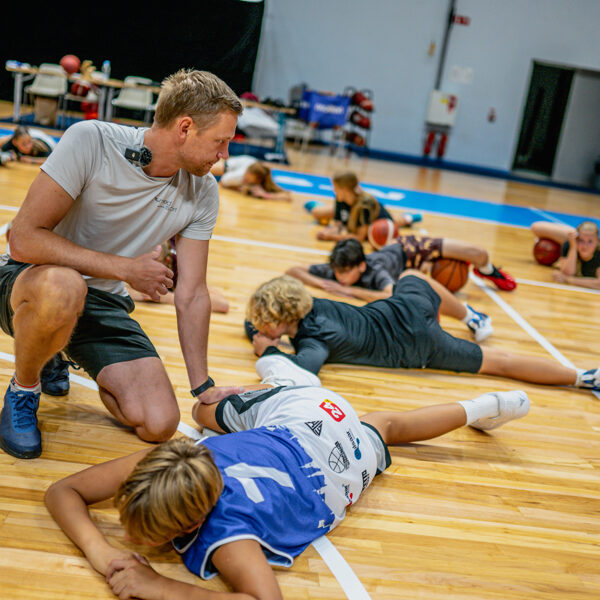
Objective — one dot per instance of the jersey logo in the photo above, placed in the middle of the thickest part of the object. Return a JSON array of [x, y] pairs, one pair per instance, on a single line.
[[355, 442], [315, 426], [335, 412], [338, 461], [349, 495], [246, 474], [365, 480]]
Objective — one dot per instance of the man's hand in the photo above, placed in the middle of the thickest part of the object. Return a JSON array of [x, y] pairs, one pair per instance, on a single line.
[[261, 342], [134, 578], [334, 287], [148, 275], [216, 394]]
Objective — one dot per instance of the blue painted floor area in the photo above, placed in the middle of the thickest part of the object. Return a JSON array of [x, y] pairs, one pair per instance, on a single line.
[[504, 214]]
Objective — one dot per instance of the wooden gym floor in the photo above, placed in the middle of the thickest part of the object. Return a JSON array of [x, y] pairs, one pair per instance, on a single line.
[[509, 515]]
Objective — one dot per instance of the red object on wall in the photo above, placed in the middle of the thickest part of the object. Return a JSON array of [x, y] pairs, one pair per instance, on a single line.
[[461, 20]]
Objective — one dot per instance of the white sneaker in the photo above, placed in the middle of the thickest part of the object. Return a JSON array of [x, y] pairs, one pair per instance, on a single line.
[[480, 326], [590, 379], [511, 405], [277, 370]]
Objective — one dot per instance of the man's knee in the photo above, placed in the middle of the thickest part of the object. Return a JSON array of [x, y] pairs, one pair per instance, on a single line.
[[58, 294], [158, 429]]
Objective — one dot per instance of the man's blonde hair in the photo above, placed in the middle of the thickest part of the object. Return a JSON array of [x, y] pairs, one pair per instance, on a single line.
[[196, 94], [281, 300], [170, 490]]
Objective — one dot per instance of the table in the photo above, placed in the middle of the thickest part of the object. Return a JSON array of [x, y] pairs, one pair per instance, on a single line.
[[106, 89]]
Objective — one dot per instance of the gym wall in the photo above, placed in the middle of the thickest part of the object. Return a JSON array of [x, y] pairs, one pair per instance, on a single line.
[[383, 45]]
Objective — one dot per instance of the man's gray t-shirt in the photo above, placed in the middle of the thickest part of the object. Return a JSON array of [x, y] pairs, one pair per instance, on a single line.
[[118, 209], [383, 268]]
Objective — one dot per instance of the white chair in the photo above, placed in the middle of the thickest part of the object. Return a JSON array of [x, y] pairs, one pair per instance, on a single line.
[[49, 83], [136, 95]]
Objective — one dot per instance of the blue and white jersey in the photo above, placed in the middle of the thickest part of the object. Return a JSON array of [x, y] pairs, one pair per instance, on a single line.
[[273, 493]]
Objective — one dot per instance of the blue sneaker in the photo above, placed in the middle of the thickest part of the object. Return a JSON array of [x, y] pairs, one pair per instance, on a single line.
[[308, 206], [480, 325], [55, 376], [19, 433], [413, 217]]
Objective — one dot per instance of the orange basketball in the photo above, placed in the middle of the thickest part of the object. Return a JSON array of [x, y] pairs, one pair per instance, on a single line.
[[70, 63], [381, 232], [546, 251], [451, 273]]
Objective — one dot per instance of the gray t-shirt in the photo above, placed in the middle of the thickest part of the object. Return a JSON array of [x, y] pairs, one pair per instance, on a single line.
[[383, 268], [118, 209]]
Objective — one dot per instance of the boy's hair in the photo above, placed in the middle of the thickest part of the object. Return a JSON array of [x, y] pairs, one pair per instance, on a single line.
[[197, 94], [265, 179], [171, 489], [346, 180], [347, 254], [280, 300]]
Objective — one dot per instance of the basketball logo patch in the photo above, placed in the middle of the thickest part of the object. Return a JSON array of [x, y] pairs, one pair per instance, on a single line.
[[335, 412], [338, 461]]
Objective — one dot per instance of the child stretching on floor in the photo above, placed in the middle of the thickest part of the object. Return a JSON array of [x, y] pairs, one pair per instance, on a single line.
[[354, 210], [372, 276], [233, 504], [401, 331]]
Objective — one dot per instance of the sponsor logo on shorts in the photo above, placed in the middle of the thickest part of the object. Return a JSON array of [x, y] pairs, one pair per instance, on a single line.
[[355, 442], [349, 495], [315, 426], [338, 461], [334, 411], [366, 480]]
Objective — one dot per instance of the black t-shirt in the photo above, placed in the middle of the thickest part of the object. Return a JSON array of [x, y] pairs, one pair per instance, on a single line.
[[342, 213], [589, 268], [395, 332], [383, 268]]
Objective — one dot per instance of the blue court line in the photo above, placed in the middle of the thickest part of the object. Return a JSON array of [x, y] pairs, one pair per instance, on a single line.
[[504, 214]]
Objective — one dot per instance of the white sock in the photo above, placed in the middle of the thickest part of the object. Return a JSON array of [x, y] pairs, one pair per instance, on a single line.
[[471, 314], [37, 387], [486, 269], [480, 408]]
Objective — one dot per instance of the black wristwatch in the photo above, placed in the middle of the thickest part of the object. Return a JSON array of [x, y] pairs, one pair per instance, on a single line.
[[202, 388]]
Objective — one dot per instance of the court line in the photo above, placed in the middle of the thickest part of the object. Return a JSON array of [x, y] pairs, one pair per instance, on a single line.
[[338, 566], [546, 216], [558, 286], [349, 582], [519, 320], [6, 207]]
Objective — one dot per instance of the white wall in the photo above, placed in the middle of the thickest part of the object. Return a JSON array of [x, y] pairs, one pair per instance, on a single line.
[[383, 45]]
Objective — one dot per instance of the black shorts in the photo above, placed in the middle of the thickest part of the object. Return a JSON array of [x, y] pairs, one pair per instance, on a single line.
[[433, 347], [105, 333]]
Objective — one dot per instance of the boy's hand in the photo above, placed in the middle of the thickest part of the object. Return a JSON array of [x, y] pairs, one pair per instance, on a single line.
[[572, 236], [261, 342], [131, 578], [101, 558], [334, 287]]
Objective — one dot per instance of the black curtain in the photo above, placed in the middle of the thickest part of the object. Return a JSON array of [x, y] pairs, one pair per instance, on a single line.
[[220, 36]]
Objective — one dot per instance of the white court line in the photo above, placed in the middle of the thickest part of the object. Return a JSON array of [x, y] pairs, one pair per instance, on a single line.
[[340, 569], [6, 207], [558, 286], [346, 577], [515, 316], [545, 215]]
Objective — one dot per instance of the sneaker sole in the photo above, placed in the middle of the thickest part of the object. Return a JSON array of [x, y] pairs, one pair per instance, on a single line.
[[54, 393], [16, 453]]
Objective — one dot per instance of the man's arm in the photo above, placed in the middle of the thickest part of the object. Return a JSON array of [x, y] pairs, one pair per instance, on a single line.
[[332, 235], [32, 240], [192, 304]]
